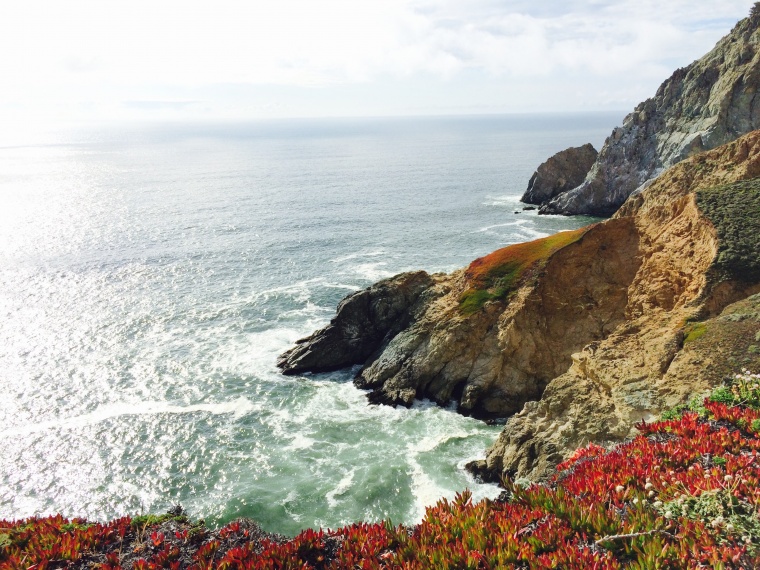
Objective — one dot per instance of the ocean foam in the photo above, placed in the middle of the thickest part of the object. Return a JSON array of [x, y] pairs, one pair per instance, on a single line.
[[341, 488], [300, 441], [359, 255], [507, 200], [238, 408], [521, 231], [506, 225], [342, 286], [371, 271], [429, 443], [425, 491]]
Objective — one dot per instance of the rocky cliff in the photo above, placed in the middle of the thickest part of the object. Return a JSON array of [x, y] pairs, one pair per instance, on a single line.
[[560, 173], [577, 336], [689, 317], [700, 107]]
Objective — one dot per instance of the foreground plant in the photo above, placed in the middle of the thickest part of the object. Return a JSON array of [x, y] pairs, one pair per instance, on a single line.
[[683, 494]]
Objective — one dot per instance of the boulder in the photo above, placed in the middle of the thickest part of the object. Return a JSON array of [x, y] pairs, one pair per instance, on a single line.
[[365, 321]]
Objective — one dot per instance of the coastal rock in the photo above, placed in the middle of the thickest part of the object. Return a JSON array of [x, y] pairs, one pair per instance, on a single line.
[[365, 321], [576, 337], [487, 339], [560, 173], [709, 103], [490, 345]]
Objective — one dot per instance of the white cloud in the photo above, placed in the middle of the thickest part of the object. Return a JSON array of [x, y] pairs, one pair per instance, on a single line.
[[601, 38], [77, 56]]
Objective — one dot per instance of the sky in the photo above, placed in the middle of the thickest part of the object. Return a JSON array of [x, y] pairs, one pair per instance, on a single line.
[[103, 60]]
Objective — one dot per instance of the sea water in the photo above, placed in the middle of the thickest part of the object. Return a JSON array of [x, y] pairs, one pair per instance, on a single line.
[[150, 275]]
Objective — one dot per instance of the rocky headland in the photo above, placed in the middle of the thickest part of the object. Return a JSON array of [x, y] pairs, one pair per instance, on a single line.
[[576, 337], [700, 107]]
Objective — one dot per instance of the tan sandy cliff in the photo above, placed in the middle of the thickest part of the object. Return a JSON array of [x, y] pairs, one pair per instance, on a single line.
[[688, 321]]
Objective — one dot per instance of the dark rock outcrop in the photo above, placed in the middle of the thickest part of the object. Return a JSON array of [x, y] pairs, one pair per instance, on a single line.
[[709, 103], [560, 173], [365, 322]]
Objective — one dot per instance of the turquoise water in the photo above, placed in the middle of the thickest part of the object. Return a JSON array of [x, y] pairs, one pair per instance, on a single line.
[[150, 275]]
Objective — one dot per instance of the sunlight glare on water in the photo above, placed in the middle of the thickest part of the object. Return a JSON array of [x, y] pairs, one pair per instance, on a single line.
[[150, 276]]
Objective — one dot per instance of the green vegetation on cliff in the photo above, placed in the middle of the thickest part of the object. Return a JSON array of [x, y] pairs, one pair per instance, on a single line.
[[734, 210], [694, 331], [495, 276], [726, 342]]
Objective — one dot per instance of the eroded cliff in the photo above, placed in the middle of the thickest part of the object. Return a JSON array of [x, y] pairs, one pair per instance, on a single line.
[[698, 233]]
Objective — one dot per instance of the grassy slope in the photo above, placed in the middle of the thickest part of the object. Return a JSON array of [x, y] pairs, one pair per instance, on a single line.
[[734, 210], [727, 342], [498, 274]]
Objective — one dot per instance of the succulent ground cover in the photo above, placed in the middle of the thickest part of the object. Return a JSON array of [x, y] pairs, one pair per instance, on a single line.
[[496, 275], [733, 209], [682, 494]]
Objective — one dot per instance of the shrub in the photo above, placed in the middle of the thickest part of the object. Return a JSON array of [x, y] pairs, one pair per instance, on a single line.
[[694, 332]]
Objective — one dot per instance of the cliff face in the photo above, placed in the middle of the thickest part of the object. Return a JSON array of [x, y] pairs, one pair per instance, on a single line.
[[577, 336], [490, 346], [705, 105], [688, 322]]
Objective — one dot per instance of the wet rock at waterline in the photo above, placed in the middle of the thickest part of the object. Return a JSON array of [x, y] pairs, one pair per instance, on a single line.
[[365, 321]]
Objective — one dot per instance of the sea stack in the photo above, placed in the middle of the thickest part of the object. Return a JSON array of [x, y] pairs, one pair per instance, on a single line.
[[560, 173]]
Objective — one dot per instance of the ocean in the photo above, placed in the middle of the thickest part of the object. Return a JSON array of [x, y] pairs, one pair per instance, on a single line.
[[151, 274]]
